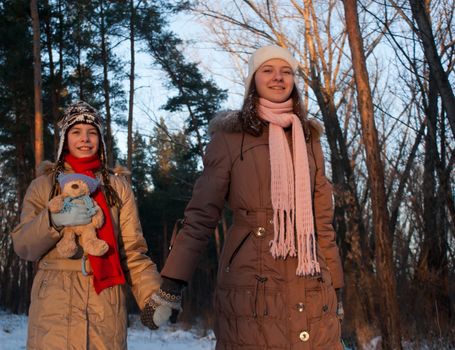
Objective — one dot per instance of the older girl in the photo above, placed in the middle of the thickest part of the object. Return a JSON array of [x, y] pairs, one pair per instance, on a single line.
[[280, 263]]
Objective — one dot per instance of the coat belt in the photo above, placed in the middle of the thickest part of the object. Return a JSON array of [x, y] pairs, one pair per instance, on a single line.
[[81, 265], [253, 218]]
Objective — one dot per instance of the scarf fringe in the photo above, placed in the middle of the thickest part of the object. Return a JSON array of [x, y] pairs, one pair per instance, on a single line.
[[308, 264]]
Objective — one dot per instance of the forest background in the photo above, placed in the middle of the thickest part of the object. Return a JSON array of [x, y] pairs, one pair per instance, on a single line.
[[377, 74]]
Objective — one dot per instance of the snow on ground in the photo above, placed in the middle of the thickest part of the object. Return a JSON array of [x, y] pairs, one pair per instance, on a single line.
[[13, 334]]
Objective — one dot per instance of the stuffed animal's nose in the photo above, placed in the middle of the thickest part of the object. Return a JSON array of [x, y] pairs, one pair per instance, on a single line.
[[74, 186]]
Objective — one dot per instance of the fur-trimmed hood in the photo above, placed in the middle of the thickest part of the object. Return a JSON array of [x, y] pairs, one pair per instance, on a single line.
[[228, 121], [48, 167]]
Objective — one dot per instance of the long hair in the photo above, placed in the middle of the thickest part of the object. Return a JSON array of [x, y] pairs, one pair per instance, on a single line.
[[249, 117]]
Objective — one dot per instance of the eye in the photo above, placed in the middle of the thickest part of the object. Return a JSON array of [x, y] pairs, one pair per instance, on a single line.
[[287, 72]]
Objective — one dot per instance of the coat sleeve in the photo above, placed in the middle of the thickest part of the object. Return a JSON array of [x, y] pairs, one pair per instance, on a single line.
[[35, 236], [140, 271], [202, 212], [323, 213]]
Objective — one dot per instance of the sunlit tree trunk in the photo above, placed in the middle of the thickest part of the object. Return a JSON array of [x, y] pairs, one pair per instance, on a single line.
[[39, 144], [384, 256]]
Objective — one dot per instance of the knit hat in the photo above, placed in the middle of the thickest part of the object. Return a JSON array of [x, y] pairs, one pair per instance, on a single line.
[[92, 183], [262, 55], [80, 112]]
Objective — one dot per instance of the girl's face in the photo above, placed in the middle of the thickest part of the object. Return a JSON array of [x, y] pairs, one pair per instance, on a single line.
[[274, 80], [83, 140]]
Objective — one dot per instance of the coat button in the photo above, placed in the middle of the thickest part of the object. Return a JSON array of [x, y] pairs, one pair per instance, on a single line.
[[304, 336], [300, 307], [260, 231]]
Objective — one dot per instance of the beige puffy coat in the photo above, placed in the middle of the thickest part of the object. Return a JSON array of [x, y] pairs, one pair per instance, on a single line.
[[260, 303], [65, 311]]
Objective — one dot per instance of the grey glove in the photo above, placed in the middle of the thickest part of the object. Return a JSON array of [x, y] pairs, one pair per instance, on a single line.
[[162, 304], [78, 215], [340, 309]]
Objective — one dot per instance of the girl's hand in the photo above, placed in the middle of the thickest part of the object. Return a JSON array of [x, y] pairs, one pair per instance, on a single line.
[[163, 305], [78, 215]]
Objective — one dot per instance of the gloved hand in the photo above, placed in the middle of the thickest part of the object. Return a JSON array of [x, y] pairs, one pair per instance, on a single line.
[[162, 304], [78, 215], [340, 310]]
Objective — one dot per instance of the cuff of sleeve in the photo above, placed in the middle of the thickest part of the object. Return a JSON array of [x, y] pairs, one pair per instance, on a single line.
[[173, 286], [54, 230]]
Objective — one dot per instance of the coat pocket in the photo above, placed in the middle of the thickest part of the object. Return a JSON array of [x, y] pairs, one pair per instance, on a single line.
[[321, 302], [236, 239]]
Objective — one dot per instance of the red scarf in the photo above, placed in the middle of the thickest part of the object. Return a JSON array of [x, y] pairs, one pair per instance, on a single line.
[[107, 270]]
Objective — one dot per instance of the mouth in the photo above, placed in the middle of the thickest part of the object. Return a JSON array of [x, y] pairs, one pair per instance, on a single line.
[[277, 88], [84, 148]]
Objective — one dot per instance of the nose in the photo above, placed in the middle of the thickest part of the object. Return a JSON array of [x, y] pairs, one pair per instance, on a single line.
[[84, 136], [278, 76]]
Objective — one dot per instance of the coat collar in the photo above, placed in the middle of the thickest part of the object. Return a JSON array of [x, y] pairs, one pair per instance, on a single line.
[[47, 167], [228, 121]]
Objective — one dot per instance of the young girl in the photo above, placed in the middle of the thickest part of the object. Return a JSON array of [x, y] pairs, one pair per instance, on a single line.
[[79, 302], [280, 263]]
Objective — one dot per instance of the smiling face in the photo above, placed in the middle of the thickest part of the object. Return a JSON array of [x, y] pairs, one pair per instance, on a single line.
[[274, 80], [83, 140]]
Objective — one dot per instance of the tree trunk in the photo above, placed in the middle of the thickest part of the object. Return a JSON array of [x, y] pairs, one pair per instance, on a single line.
[[39, 145], [131, 100], [425, 34], [55, 82], [432, 269], [384, 257], [348, 221], [107, 103]]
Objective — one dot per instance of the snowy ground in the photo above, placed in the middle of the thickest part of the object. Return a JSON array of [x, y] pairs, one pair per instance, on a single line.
[[13, 334]]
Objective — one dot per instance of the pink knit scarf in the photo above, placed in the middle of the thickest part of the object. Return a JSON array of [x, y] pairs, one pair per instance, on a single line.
[[290, 188]]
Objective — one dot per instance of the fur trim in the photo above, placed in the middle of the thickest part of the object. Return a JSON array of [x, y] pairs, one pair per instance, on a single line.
[[45, 168], [316, 128], [228, 121], [120, 170]]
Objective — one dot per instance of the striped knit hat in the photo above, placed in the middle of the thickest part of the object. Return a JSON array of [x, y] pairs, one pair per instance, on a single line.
[[80, 112]]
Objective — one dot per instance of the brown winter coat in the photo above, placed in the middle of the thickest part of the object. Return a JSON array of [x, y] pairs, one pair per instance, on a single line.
[[65, 311], [260, 303]]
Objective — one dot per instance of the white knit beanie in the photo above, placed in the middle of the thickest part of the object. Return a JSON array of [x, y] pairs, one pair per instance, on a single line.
[[262, 55]]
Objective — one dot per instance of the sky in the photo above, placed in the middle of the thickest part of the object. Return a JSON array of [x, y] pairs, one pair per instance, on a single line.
[[150, 93]]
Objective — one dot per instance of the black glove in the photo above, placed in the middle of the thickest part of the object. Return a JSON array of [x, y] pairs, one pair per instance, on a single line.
[[340, 310], [162, 304]]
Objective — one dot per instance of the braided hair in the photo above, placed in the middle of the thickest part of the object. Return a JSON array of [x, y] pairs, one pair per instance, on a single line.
[[82, 113]]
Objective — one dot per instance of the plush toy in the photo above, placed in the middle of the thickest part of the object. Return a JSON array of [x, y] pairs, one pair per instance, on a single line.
[[76, 188]]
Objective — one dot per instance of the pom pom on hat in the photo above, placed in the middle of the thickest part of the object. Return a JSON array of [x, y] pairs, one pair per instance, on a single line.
[[262, 55], [92, 183]]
